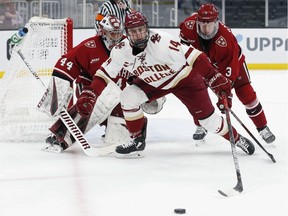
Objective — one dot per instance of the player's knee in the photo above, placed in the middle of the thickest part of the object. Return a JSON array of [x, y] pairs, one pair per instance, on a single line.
[[132, 97], [215, 124]]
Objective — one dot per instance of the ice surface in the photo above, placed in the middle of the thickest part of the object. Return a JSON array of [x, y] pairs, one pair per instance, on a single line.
[[173, 174]]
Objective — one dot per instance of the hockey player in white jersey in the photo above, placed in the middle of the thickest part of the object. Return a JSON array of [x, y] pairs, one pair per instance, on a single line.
[[79, 66], [162, 65]]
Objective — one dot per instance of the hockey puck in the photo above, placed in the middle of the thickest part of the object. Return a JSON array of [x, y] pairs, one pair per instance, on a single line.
[[180, 211]]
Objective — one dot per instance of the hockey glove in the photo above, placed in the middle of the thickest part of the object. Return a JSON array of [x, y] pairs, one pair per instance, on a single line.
[[220, 103], [86, 102], [219, 83], [154, 106]]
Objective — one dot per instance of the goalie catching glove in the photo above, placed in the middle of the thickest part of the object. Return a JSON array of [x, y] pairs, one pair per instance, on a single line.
[[86, 102]]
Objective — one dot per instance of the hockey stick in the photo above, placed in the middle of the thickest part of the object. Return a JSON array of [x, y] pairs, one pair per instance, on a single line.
[[253, 137], [69, 122], [239, 186]]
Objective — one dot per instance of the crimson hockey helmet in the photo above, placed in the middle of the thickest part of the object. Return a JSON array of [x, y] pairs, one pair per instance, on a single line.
[[208, 13], [136, 27], [207, 21], [111, 30]]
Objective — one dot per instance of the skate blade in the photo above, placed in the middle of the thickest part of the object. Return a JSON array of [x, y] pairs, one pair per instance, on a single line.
[[199, 142], [52, 149], [133, 155]]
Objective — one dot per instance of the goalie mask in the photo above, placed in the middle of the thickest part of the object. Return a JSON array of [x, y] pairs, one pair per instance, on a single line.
[[207, 21], [111, 30], [136, 27]]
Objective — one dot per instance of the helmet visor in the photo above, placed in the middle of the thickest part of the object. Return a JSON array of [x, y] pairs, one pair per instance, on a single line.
[[207, 30], [113, 35], [111, 38], [138, 36]]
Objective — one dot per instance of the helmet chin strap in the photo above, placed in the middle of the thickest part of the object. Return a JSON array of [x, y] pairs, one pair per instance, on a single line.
[[140, 44]]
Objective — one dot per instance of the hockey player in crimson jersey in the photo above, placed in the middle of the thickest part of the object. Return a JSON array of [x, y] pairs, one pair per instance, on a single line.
[[204, 31], [163, 65], [78, 67]]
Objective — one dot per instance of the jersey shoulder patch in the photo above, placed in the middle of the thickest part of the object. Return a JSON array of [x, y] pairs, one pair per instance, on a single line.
[[221, 41], [90, 44], [190, 24]]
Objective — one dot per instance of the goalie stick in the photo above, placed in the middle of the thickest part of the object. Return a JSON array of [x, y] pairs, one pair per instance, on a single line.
[[69, 122], [239, 186], [253, 137]]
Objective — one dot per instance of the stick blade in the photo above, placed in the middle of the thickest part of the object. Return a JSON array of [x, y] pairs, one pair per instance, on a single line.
[[100, 151], [229, 192]]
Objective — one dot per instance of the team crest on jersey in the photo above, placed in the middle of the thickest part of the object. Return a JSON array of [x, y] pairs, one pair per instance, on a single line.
[[190, 24], [90, 44], [155, 38], [142, 58], [221, 41]]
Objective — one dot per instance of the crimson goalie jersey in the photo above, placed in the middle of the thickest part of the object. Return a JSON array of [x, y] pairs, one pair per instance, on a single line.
[[82, 61]]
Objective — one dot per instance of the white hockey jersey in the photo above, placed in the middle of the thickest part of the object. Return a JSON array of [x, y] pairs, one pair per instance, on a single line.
[[163, 63]]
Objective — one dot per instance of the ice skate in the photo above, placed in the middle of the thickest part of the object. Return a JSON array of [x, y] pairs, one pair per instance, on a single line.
[[53, 146], [246, 145], [133, 149], [267, 135], [199, 135], [135, 146]]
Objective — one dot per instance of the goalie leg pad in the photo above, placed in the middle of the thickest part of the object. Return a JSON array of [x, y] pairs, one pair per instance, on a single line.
[[105, 103], [56, 96], [61, 133], [116, 131]]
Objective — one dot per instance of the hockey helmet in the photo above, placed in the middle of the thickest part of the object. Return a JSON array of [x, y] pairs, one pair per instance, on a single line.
[[136, 27], [111, 30], [207, 21]]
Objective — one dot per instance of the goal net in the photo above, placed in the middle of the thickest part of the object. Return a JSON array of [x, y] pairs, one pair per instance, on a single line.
[[46, 40]]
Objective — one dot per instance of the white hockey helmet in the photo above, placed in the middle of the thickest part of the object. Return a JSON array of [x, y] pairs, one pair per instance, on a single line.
[[111, 30]]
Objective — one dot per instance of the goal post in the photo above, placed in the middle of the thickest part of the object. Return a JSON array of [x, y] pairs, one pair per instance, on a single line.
[[46, 41]]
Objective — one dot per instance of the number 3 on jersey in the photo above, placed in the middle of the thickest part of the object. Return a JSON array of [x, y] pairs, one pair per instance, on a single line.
[[228, 71]]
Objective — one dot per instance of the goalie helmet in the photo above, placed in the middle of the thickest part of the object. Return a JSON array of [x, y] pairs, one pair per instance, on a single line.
[[111, 30], [207, 21], [136, 27]]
